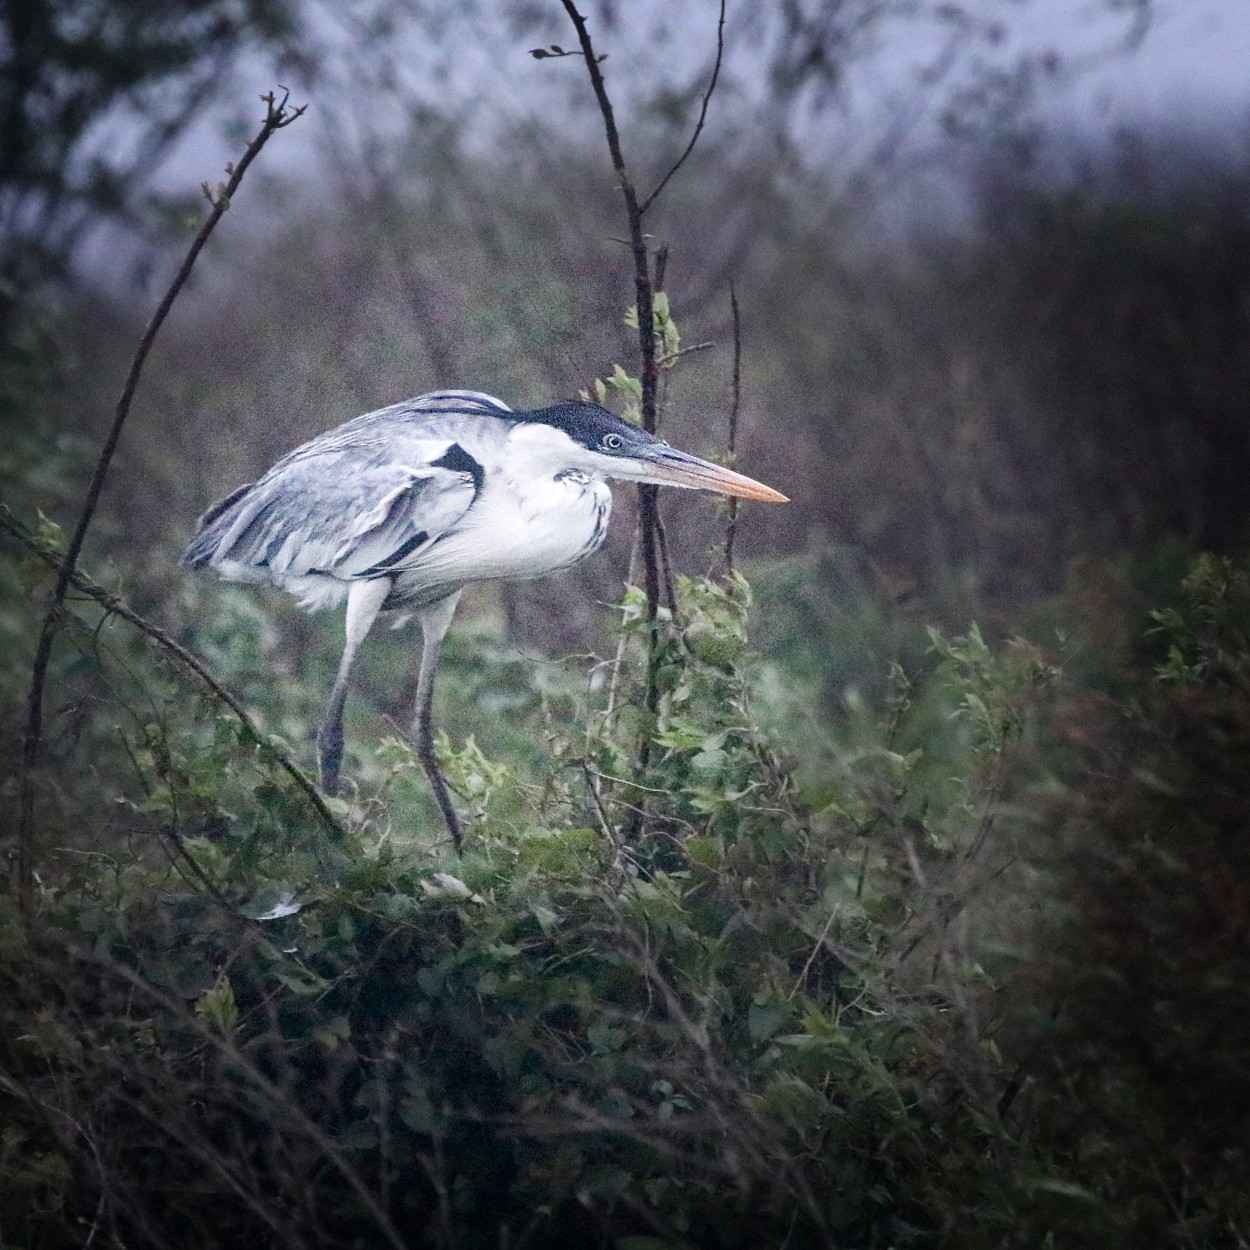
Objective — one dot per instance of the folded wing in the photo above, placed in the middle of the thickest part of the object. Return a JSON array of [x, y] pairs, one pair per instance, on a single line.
[[320, 520]]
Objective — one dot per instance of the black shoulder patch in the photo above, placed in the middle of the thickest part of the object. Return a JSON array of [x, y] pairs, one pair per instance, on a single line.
[[396, 556], [458, 460]]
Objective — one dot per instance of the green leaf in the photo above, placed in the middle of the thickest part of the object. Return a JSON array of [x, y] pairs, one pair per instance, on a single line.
[[764, 1019], [606, 1037], [217, 1007], [547, 919], [1062, 1189]]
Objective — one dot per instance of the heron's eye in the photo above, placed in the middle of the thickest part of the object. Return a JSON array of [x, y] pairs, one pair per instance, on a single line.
[[613, 442]]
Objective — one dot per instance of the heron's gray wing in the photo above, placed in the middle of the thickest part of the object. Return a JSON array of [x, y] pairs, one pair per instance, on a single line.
[[329, 513]]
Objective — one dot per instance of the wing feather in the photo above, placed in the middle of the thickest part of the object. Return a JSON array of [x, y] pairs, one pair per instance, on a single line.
[[325, 514], [366, 499]]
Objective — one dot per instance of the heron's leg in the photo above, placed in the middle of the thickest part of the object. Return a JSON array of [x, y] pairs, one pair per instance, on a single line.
[[434, 622], [364, 602]]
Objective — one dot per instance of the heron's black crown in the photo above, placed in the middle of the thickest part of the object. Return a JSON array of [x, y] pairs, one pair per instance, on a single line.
[[591, 425]]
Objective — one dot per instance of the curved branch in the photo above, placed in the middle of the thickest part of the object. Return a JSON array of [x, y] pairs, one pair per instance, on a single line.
[[698, 129], [277, 116], [188, 659]]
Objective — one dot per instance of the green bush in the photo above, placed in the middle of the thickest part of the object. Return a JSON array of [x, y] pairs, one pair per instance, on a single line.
[[649, 1004], [973, 981]]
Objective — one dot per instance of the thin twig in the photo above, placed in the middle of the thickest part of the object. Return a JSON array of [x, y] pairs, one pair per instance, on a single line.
[[644, 303], [666, 568], [189, 660], [670, 358], [731, 527], [277, 116], [605, 825], [811, 959], [698, 129]]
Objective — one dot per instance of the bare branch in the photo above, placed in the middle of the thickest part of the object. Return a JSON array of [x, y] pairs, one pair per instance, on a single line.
[[277, 116], [643, 289], [698, 129]]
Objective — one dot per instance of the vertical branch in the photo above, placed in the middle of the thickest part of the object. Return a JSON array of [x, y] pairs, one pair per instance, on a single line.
[[648, 513], [731, 528], [637, 241], [651, 543], [643, 298], [277, 116]]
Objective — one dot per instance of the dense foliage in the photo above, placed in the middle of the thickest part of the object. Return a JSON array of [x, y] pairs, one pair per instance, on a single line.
[[901, 999]]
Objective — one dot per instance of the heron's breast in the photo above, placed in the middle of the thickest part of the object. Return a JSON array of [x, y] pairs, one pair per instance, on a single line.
[[520, 530], [545, 525]]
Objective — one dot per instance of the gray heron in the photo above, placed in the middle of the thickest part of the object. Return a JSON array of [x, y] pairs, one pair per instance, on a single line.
[[401, 508]]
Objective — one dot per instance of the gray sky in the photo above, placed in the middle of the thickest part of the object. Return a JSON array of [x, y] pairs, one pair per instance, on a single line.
[[1191, 68]]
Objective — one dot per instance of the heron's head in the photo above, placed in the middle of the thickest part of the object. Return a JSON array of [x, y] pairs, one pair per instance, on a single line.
[[595, 441]]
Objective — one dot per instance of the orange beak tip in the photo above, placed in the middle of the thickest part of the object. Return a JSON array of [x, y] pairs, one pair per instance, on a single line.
[[763, 494]]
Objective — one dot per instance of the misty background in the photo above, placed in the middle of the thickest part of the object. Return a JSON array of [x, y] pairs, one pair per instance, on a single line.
[[991, 258]]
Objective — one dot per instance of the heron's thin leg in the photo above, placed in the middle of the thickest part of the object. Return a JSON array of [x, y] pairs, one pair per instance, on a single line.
[[434, 622], [364, 602]]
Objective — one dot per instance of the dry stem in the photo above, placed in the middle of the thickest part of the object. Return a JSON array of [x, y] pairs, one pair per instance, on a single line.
[[277, 116]]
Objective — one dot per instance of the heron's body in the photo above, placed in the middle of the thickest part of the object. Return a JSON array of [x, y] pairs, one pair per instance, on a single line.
[[403, 507], [409, 492]]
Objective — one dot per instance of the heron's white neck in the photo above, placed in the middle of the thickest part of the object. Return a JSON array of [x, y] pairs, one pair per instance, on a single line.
[[536, 452]]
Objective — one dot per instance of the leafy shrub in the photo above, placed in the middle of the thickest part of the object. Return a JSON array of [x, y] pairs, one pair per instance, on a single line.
[[1142, 1052], [652, 1001], [675, 993]]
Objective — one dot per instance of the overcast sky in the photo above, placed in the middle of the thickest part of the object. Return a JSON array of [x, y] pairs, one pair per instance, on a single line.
[[1194, 62], [1190, 69]]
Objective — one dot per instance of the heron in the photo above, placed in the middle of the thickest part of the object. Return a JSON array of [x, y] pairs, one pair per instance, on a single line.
[[401, 508]]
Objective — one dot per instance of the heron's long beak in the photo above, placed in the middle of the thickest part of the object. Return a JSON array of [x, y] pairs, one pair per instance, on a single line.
[[666, 466]]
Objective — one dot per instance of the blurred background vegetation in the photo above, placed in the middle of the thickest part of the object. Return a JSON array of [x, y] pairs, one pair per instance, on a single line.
[[937, 933]]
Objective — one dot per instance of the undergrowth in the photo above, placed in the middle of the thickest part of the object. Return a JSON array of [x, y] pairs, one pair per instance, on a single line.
[[942, 944], [704, 1005]]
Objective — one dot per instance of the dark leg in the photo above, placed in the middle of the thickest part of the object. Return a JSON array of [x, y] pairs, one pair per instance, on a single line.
[[434, 623], [330, 743], [364, 602]]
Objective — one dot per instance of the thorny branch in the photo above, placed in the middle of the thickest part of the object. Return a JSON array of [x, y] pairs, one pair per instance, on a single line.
[[277, 116]]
